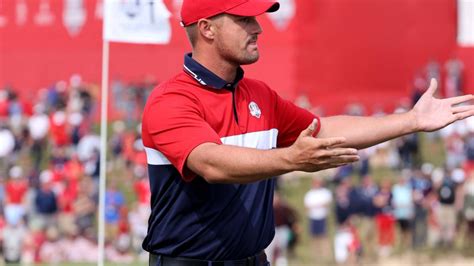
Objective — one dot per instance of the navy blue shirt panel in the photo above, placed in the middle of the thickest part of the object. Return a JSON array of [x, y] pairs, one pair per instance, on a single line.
[[208, 221]]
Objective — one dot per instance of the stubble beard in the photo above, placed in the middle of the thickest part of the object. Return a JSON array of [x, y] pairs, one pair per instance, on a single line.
[[241, 57], [250, 58]]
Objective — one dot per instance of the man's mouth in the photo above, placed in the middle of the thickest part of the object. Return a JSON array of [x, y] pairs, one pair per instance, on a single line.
[[253, 40]]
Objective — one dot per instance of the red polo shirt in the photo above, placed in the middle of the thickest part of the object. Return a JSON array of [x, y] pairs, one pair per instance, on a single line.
[[195, 219], [182, 114]]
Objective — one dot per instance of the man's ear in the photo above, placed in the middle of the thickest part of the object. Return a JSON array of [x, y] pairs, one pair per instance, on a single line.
[[206, 28]]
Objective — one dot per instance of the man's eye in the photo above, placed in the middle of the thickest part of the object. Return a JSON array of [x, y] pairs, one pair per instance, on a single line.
[[245, 19]]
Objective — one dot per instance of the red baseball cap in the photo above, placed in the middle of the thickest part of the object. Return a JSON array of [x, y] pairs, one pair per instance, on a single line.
[[194, 10]]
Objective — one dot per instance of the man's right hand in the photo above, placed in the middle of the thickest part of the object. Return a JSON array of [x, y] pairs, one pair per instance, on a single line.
[[312, 154]]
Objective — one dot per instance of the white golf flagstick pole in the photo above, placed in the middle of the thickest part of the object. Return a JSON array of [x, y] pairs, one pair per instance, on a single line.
[[103, 151]]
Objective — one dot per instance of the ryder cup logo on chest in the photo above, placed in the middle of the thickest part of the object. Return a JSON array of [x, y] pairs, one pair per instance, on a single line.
[[255, 110]]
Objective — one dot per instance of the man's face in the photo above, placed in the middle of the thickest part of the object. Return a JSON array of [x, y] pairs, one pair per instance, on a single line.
[[236, 38]]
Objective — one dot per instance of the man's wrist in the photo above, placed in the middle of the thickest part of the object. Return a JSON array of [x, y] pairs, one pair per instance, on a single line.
[[287, 164], [412, 122]]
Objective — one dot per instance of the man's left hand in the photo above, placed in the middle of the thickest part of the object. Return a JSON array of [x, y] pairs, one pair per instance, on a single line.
[[431, 114]]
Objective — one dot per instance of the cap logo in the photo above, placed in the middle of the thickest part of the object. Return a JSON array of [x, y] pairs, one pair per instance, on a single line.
[[255, 110]]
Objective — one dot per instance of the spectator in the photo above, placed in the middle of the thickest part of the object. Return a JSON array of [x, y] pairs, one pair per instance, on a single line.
[[13, 235], [344, 209], [51, 251], [114, 201], [317, 202], [366, 209], [285, 219], [52, 96], [3, 104], [46, 203], [15, 112], [384, 219], [38, 126], [71, 245], [421, 185], [142, 187], [468, 208], [6, 149], [2, 195], [347, 245], [74, 169], [447, 210], [138, 220], [66, 203], [38, 237], [408, 149], [89, 246], [454, 150], [419, 85], [87, 100], [3, 224], [59, 128], [116, 141], [433, 206], [16, 189], [403, 209], [118, 88], [29, 245], [469, 152], [118, 252], [363, 165], [453, 84], [75, 120], [84, 206]]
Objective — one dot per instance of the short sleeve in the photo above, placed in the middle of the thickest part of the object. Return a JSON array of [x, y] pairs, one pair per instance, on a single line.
[[175, 125], [291, 121]]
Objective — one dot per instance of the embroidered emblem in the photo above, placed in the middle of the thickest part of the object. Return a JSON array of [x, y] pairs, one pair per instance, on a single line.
[[255, 110]]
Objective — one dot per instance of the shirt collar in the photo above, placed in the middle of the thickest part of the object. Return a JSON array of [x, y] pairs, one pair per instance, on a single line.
[[206, 78]]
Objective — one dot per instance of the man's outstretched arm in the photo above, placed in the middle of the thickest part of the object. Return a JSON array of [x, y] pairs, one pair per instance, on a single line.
[[232, 164], [429, 114]]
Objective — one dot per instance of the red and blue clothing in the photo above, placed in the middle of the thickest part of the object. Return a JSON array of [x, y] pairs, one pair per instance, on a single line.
[[190, 217]]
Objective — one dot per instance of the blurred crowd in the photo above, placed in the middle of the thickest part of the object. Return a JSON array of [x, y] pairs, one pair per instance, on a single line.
[[422, 207], [49, 182], [49, 175]]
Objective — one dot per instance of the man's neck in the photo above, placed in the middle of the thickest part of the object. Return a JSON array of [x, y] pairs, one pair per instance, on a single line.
[[221, 68]]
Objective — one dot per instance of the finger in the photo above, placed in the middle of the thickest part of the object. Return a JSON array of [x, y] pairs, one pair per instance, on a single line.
[[329, 166], [345, 159], [460, 99], [463, 115], [309, 131], [462, 109], [433, 86], [339, 165], [330, 142], [341, 151]]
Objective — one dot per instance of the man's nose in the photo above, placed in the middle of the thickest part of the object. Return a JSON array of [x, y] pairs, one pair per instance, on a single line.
[[255, 26]]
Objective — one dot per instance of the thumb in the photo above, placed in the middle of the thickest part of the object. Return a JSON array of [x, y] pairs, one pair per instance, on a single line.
[[309, 131], [433, 86]]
